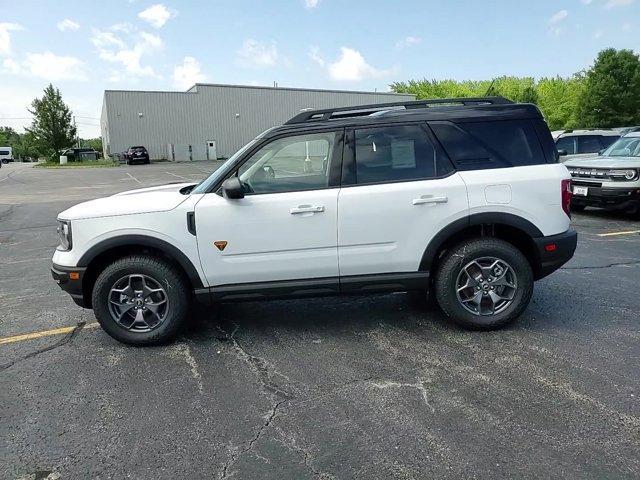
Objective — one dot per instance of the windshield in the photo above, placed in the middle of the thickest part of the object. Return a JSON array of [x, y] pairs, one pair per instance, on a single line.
[[221, 171], [624, 147]]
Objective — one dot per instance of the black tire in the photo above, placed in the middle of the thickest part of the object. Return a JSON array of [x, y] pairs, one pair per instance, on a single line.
[[175, 286], [578, 208], [446, 282]]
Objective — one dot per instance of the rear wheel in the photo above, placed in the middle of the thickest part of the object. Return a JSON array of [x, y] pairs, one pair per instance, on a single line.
[[141, 300], [484, 283]]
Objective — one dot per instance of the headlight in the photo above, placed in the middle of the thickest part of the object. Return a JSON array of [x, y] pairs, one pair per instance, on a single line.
[[64, 234], [623, 174]]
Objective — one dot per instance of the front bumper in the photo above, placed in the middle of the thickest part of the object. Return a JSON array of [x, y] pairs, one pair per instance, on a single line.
[[69, 279], [606, 197], [554, 251]]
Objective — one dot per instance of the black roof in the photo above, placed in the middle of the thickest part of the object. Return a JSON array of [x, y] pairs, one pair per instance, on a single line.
[[457, 110]]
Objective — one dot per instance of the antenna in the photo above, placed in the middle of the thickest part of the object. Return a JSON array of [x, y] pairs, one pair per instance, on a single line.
[[490, 88]]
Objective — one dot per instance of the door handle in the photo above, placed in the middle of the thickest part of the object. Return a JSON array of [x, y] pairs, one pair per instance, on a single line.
[[430, 200], [306, 209]]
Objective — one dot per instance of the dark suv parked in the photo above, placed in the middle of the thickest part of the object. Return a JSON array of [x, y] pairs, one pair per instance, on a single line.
[[137, 154]]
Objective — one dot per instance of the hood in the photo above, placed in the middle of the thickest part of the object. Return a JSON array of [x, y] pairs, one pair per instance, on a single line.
[[604, 162], [142, 200]]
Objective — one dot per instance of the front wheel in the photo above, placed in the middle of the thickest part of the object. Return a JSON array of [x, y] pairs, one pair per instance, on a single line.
[[484, 283], [141, 300]]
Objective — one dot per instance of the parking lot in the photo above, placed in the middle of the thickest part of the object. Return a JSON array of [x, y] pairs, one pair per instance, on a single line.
[[362, 387]]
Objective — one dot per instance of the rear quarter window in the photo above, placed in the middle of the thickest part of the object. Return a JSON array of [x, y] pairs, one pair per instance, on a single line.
[[493, 144]]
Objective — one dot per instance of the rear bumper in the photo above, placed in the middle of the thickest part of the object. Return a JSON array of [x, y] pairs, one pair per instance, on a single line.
[[611, 198], [69, 283], [554, 251]]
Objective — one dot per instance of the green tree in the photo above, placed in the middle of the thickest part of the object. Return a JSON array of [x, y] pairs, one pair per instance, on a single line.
[[8, 137], [611, 95], [558, 99], [27, 146], [52, 127]]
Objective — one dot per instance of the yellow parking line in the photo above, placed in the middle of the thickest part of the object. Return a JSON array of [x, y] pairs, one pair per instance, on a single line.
[[43, 333], [613, 234]]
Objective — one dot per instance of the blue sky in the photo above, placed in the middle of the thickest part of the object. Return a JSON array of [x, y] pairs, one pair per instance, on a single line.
[[85, 47]]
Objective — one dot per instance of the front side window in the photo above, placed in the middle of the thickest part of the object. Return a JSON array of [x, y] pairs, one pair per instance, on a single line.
[[397, 153], [289, 164]]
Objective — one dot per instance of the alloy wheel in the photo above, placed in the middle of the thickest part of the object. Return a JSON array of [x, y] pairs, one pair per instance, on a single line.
[[138, 303], [486, 286]]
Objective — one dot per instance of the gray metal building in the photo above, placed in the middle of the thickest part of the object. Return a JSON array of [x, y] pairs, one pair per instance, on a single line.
[[210, 120]]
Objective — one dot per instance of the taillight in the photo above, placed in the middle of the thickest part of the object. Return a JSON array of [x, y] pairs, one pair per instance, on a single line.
[[565, 185]]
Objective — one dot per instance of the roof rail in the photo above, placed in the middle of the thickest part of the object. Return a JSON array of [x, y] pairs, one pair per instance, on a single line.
[[363, 110]]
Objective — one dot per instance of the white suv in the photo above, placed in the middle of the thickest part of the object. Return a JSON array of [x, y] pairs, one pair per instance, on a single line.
[[463, 197]]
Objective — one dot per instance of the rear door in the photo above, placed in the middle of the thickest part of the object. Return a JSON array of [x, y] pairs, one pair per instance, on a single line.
[[398, 191]]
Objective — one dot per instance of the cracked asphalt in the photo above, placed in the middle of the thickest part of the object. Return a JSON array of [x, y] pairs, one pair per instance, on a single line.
[[361, 387]]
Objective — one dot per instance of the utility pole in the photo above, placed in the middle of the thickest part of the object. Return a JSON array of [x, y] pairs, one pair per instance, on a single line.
[[77, 136]]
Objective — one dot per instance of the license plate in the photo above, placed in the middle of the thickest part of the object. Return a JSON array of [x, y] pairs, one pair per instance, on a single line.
[[583, 191]]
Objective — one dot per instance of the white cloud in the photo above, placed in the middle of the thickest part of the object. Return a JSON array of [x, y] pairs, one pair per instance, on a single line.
[[626, 26], [47, 65], [618, 3], [256, 54], [558, 17], [311, 3], [556, 20], [409, 41], [157, 15], [68, 24], [598, 34], [187, 74], [5, 36], [351, 66], [587, 2], [316, 57], [113, 49]]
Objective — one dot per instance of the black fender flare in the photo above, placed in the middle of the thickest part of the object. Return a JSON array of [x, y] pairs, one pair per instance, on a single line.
[[143, 241], [472, 220]]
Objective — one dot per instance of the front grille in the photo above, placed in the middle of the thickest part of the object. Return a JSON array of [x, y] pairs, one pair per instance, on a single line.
[[599, 173]]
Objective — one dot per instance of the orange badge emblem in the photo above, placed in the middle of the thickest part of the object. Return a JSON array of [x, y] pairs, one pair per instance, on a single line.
[[220, 244]]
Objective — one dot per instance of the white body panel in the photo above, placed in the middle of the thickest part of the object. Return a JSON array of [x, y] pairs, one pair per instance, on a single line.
[[170, 226], [143, 200], [266, 241], [8, 155], [531, 192], [385, 228]]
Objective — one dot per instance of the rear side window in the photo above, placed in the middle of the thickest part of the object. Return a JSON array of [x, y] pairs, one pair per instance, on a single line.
[[567, 144], [589, 144], [480, 145], [397, 153]]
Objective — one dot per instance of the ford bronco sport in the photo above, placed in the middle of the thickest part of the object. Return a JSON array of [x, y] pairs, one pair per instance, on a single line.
[[462, 197], [610, 181]]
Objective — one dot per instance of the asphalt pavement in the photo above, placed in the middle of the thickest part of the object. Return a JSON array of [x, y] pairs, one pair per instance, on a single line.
[[358, 387]]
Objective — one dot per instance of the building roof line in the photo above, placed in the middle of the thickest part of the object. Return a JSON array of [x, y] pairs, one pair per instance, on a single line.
[[193, 90]]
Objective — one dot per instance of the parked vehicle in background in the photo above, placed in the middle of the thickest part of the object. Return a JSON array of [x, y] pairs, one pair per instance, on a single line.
[[584, 143], [610, 181], [80, 154], [137, 154], [461, 197], [6, 154]]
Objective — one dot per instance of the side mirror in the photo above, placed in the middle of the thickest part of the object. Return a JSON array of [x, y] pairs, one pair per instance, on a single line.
[[562, 153], [232, 188], [601, 151]]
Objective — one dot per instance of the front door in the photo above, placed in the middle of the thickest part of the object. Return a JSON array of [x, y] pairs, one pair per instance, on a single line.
[[285, 226]]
